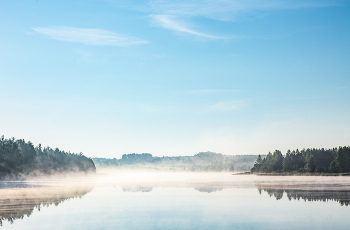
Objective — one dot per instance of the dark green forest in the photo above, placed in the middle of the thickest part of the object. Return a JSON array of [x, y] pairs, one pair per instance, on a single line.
[[201, 162], [19, 158], [336, 160]]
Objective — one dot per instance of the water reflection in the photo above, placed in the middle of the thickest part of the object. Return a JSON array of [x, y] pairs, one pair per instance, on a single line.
[[19, 199], [294, 188], [143, 201], [16, 184], [199, 187], [307, 191], [143, 188], [137, 189], [209, 189]]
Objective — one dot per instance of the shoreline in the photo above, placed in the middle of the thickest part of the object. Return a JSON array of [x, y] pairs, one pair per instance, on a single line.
[[294, 174]]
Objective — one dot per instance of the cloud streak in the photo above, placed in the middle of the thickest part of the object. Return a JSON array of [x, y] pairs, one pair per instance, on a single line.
[[226, 106], [228, 9], [165, 12], [88, 36], [212, 91], [167, 22]]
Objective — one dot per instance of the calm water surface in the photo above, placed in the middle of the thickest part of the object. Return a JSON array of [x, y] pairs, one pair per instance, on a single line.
[[134, 200]]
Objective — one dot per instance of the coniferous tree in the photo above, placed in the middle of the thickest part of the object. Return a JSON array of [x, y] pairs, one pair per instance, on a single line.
[[309, 160], [310, 164], [20, 158]]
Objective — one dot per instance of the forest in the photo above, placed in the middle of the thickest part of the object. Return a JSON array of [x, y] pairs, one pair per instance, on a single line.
[[200, 162], [336, 160], [19, 158]]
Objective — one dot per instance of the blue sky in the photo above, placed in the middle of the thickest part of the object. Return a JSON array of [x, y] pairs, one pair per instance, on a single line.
[[176, 77]]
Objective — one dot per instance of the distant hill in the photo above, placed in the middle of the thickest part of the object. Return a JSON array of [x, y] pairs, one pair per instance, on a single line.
[[201, 162], [19, 159]]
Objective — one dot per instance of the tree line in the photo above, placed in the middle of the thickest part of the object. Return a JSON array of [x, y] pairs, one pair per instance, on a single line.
[[200, 162], [336, 160], [21, 158]]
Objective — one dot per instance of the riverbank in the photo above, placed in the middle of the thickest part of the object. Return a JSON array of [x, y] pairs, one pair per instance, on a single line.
[[294, 174]]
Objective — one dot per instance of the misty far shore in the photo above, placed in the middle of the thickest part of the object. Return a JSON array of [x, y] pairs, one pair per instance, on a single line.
[[201, 162], [22, 160]]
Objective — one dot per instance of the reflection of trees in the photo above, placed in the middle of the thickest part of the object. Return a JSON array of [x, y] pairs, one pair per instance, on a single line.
[[137, 189], [341, 196], [277, 193], [208, 189], [19, 199], [149, 187]]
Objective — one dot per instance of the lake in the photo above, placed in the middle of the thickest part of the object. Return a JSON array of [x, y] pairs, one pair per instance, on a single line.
[[153, 200]]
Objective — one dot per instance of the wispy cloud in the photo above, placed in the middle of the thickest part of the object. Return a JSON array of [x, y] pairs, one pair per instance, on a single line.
[[88, 36], [226, 106], [212, 91], [161, 56], [165, 13], [235, 55], [169, 23], [229, 9]]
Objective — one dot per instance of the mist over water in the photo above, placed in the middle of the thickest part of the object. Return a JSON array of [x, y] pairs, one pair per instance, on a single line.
[[176, 200]]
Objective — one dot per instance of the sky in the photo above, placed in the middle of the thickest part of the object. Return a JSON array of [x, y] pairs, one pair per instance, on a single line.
[[174, 78]]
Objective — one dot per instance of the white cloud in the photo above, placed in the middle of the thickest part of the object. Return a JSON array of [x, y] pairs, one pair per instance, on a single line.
[[235, 55], [207, 91], [165, 13], [226, 106], [88, 36], [169, 23], [161, 56], [228, 9]]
